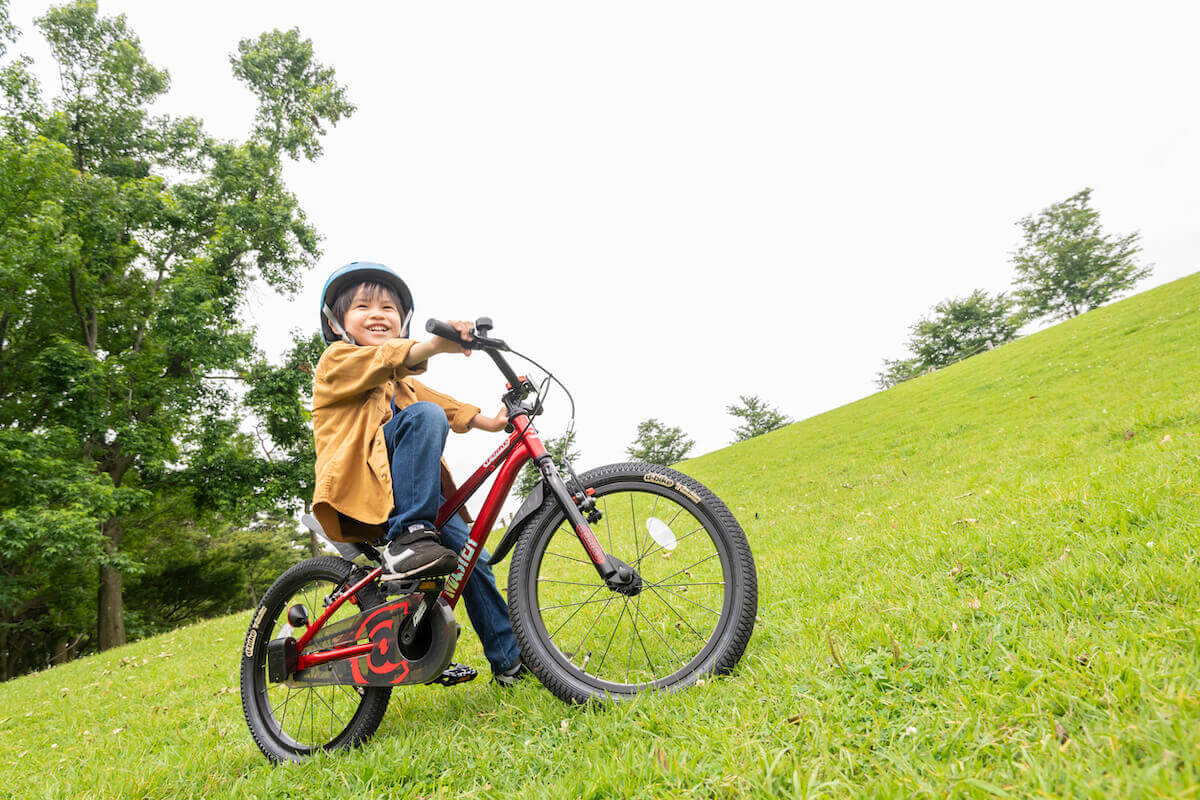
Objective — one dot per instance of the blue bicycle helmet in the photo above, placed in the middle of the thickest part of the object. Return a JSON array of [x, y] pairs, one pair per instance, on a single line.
[[357, 272]]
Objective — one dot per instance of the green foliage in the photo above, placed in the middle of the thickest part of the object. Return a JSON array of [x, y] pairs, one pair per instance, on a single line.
[[962, 327], [127, 245], [656, 443], [52, 503], [957, 329], [213, 566], [898, 371], [757, 417], [295, 91], [281, 397], [561, 448], [1066, 265]]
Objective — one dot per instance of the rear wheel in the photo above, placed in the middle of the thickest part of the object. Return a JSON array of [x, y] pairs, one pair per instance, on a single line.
[[694, 611], [289, 723]]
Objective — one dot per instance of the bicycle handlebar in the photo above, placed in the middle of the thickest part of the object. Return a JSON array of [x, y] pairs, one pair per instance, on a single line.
[[479, 341], [447, 331]]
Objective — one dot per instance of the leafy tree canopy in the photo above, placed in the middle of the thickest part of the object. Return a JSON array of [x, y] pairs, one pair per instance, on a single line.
[[957, 329], [656, 443], [560, 448], [128, 243], [1066, 265], [757, 417]]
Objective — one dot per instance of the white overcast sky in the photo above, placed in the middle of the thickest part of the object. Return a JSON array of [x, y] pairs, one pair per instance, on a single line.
[[673, 203]]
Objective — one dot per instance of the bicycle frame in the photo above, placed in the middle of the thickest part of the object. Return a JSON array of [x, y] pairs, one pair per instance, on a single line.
[[522, 445]]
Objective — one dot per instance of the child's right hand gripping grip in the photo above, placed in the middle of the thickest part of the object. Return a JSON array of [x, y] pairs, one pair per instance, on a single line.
[[446, 331]]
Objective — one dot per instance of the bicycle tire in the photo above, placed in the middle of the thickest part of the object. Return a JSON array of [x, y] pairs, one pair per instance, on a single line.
[[305, 582], [576, 673]]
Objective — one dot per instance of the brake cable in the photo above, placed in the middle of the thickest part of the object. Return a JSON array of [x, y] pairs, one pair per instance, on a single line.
[[570, 430]]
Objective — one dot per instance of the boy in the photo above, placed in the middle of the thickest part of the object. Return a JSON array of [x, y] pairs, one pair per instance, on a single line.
[[379, 439]]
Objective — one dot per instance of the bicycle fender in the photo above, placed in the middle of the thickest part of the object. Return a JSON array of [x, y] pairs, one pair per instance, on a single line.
[[532, 503]]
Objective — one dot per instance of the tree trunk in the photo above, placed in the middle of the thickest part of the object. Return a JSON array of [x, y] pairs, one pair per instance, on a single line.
[[61, 653], [111, 623]]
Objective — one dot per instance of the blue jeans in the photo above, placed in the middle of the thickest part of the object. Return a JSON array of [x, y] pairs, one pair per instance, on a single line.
[[415, 439]]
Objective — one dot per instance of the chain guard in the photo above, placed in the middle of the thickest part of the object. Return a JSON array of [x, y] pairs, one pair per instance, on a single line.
[[390, 663]]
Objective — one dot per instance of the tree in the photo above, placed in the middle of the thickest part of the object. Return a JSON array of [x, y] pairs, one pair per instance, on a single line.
[[1066, 265], [757, 417], [958, 328], [120, 330], [561, 449], [281, 397], [963, 327], [655, 443], [897, 371]]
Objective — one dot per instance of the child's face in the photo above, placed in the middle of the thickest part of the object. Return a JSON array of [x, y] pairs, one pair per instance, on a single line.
[[372, 321]]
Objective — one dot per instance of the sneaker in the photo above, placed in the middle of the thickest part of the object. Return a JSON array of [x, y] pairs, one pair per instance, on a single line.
[[511, 675], [422, 558]]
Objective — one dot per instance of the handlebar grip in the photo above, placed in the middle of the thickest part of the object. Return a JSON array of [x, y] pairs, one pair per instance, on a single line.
[[446, 331]]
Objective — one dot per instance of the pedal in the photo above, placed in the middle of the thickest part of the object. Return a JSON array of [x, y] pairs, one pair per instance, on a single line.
[[413, 585], [456, 674]]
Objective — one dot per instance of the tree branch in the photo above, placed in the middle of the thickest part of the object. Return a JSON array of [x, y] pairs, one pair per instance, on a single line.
[[78, 310]]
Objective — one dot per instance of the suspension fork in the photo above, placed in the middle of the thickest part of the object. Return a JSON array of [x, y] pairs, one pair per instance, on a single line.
[[618, 575]]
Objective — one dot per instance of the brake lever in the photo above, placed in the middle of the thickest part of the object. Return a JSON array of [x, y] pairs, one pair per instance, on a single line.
[[479, 342]]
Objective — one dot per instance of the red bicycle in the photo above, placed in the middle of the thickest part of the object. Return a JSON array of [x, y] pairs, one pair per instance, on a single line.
[[628, 578]]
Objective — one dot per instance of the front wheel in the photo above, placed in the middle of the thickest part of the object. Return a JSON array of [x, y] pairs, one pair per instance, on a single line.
[[691, 616]]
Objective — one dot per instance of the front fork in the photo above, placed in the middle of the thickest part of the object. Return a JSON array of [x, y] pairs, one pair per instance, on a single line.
[[615, 573]]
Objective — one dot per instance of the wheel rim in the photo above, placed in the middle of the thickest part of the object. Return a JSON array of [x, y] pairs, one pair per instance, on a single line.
[[305, 718], [622, 645]]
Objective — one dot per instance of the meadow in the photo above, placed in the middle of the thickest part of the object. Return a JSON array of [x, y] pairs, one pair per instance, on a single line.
[[980, 583]]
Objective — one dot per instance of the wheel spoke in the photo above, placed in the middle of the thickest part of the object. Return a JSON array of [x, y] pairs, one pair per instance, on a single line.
[[560, 627], [587, 631], [332, 712], [677, 541], [572, 605], [569, 558], [637, 547], [571, 583], [661, 639], [676, 613], [607, 523], [657, 586], [641, 641], [612, 636], [685, 569]]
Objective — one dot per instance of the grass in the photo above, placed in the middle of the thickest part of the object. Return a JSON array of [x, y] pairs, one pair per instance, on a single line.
[[980, 583]]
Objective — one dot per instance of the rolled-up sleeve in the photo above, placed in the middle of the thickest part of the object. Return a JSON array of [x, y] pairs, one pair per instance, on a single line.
[[458, 413]]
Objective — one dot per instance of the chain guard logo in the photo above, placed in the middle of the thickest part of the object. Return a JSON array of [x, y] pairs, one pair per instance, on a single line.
[[384, 659]]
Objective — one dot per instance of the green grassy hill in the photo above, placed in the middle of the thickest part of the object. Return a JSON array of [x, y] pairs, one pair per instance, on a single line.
[[983, 582]]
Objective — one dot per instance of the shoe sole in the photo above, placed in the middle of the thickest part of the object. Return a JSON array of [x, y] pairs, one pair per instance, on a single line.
[[435, 567]]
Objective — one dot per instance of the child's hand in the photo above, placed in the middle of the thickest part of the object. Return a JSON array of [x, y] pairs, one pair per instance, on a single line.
[[446, 346], [421, 351], [490, 424]]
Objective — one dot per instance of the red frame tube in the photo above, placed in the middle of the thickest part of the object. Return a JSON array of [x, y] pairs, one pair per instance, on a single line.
[[337, 654], [522, 445], [312, 629]]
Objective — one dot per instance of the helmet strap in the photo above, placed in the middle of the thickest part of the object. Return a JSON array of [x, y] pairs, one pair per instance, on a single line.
[[336, 327], [404, 325]]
